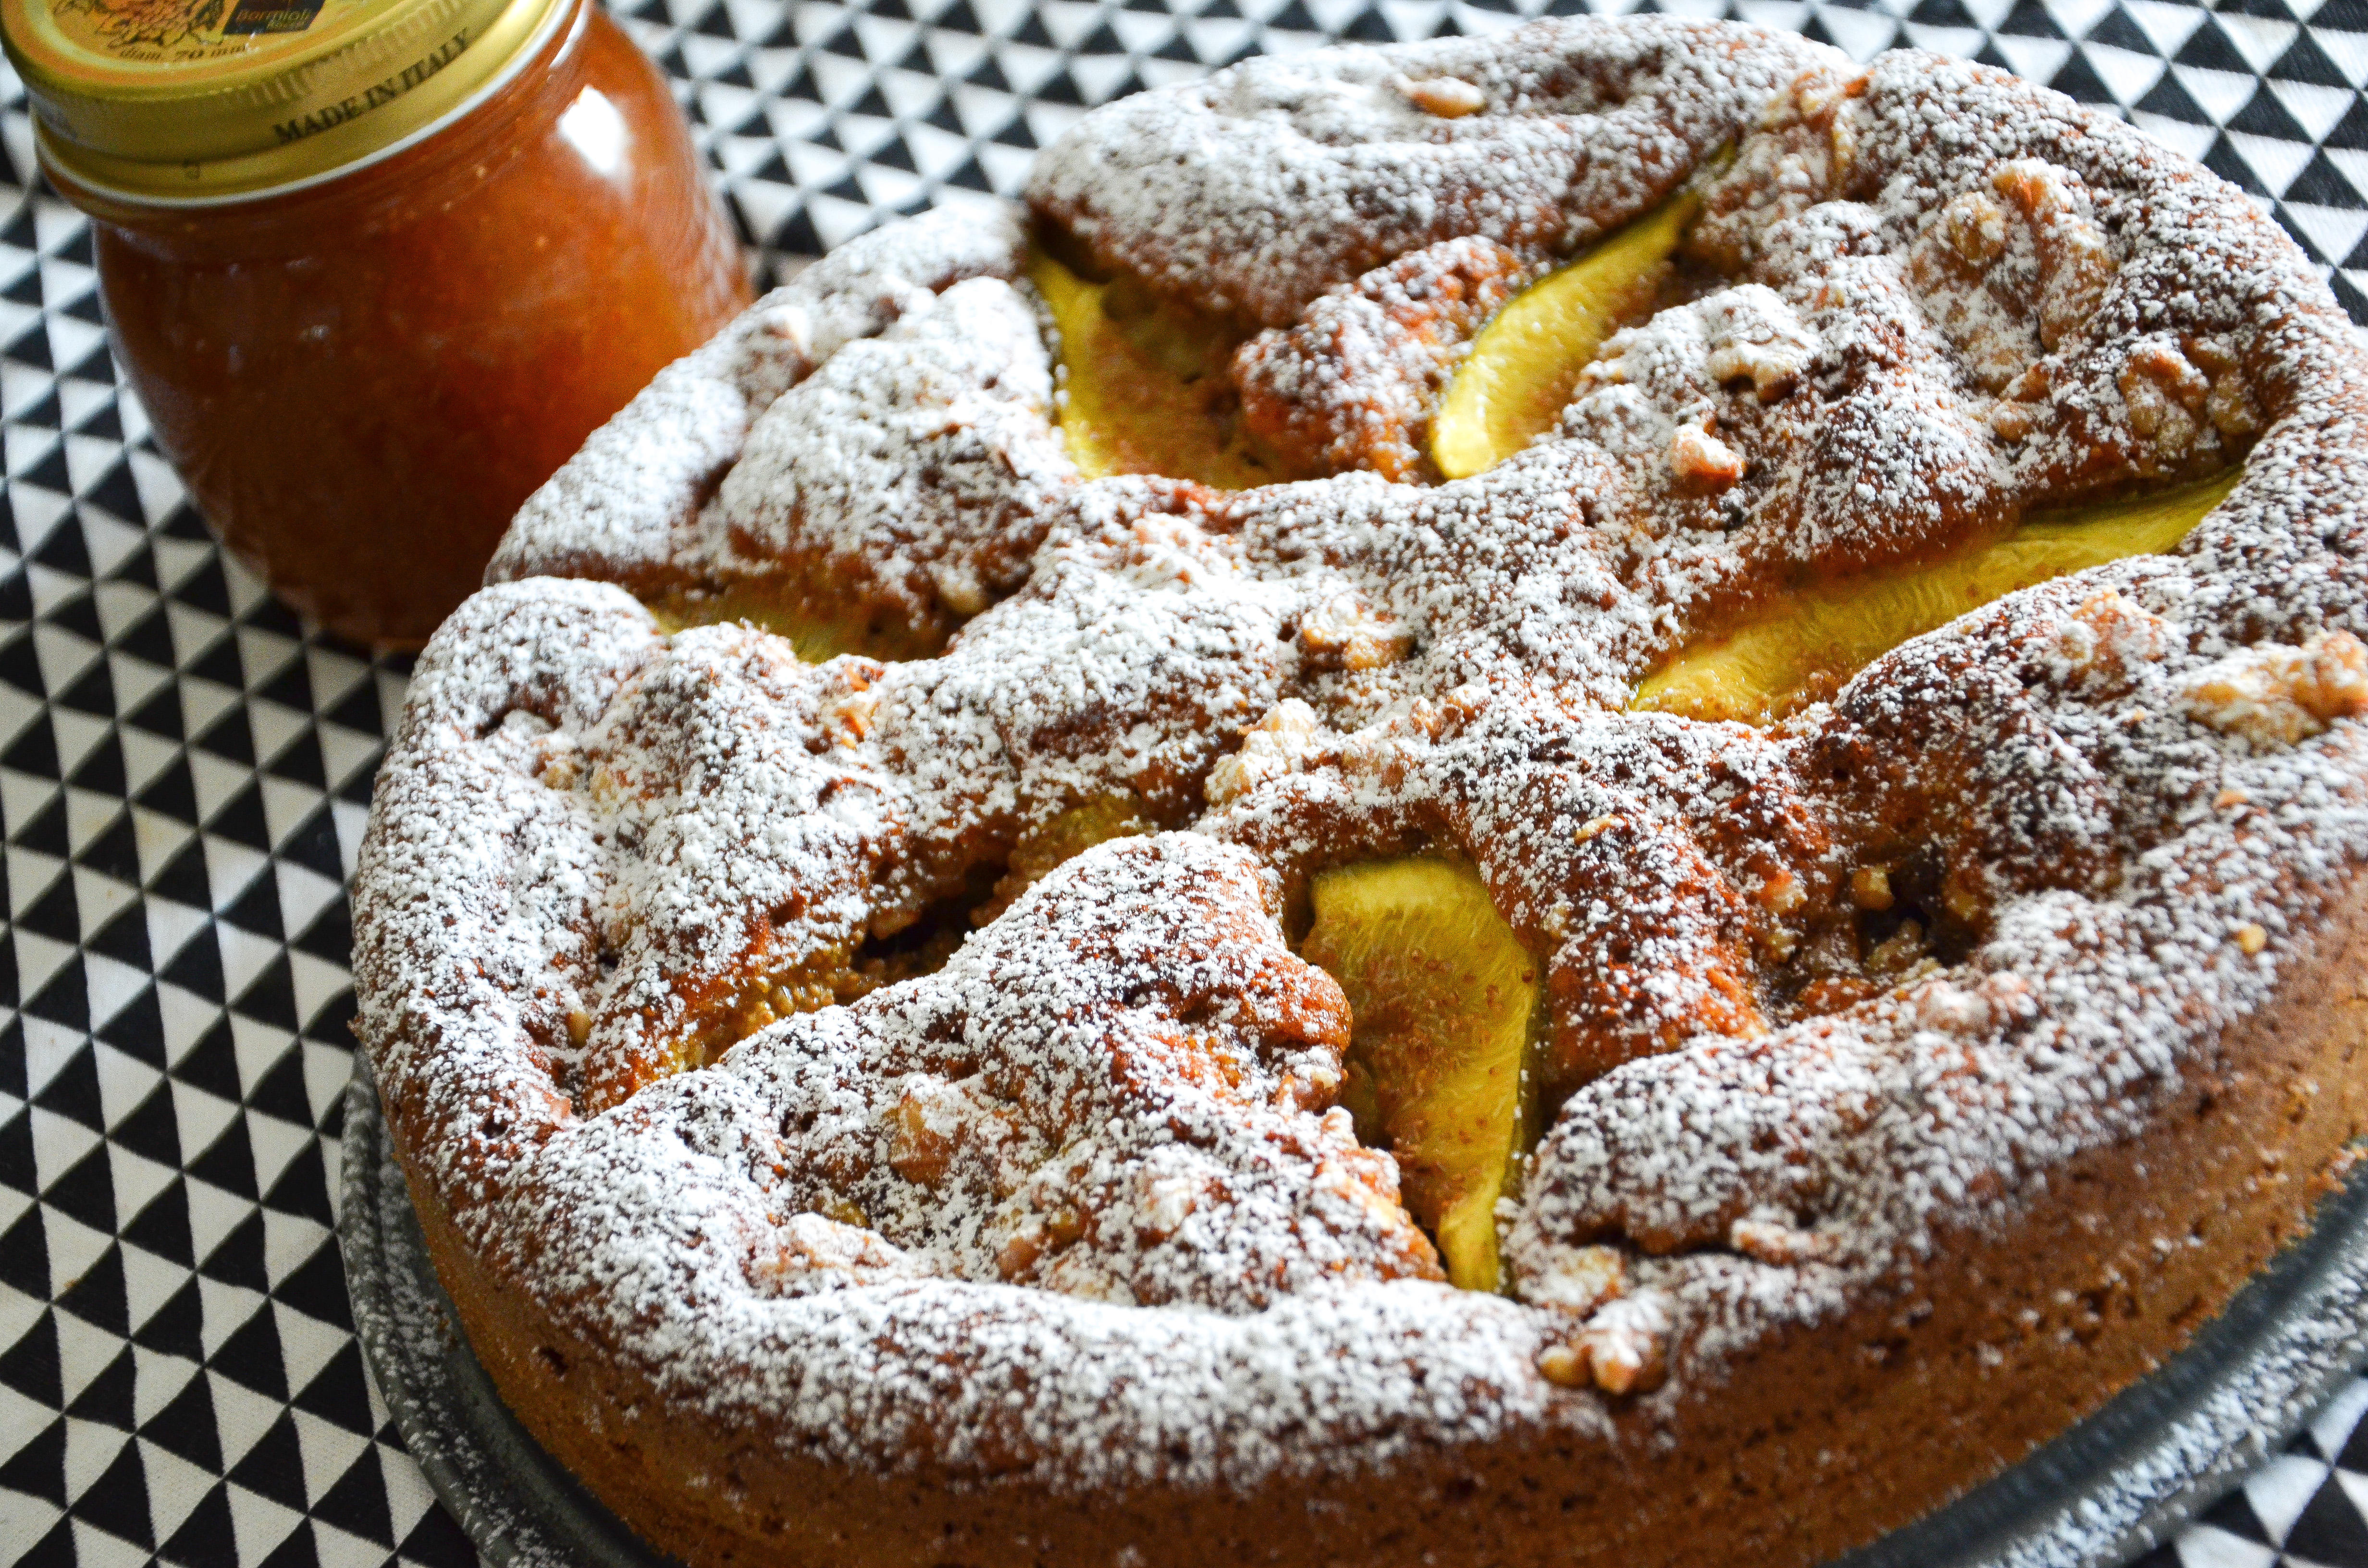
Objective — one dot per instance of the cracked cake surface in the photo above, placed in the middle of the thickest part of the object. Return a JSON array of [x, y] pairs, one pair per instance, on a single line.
[[890, 1071]]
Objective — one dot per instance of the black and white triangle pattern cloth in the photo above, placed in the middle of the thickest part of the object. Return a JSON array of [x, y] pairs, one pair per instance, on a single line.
[[184, 772], [182, 780], [824, 115], [2304, 1509]]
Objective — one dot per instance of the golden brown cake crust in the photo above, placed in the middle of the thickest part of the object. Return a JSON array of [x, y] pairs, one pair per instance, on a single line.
[[805, 1235], [1995, 1344]]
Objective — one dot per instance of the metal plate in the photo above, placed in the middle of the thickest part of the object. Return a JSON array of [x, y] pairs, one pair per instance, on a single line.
[[512, 1498], [2106, 1491]]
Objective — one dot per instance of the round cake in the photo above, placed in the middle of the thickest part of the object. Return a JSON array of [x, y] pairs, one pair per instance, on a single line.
[[1589, 796]]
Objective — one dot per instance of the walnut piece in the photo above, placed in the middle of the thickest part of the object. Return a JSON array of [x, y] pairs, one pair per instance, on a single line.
[[1702, 461], [1576, 1279], [2013, 271], [2012, 421], [2271, 694], [1444, 96], [922, 1131], [1871, 888], [1974, 226], [2104, 641], [1623, 1349], [2076, 262], [2166, 394], [1627, 1344], [1272, 748], [1774, 367], [820, 1254], [1807, 154], [1776, 1242], [1168, 1202], [2230, 406], [1344, 632]]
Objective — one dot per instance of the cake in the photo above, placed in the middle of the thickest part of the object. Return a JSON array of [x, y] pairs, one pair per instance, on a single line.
[[1588, 796]]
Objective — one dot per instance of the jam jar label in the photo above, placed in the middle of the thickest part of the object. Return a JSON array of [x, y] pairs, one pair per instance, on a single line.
[[271, 16], [198, 31]]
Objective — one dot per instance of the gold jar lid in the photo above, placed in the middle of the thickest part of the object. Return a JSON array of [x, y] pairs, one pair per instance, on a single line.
[[199, 101]]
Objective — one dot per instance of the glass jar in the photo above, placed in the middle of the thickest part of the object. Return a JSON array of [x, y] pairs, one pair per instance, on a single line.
[[376, 268]]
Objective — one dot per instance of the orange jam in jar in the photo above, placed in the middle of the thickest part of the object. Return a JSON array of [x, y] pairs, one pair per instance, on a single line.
[[376, 268]]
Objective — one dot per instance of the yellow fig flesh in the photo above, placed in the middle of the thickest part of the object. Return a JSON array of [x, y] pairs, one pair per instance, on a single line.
[[1446, 1004], [817, 634], [1802, 650], [1149, 395], [1525, 363]]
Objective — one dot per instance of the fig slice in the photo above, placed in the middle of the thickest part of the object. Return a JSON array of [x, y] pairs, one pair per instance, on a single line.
[[1524, 365], [1804, 648], [1446, 1006], [1145, 389]]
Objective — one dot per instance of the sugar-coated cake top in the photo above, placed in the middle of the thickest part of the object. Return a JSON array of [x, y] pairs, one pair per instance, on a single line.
[[1080, 1201]]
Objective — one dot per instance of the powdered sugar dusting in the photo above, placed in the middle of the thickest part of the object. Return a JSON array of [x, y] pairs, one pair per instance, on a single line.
[[1282, 177], [1079, 1202]]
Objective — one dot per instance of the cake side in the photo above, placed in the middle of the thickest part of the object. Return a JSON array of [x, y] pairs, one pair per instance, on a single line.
[[1818, 1440]]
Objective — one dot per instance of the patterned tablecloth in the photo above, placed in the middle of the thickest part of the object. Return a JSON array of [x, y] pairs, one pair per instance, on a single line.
[[183, 771]]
